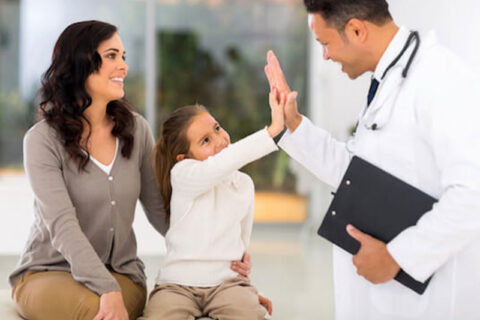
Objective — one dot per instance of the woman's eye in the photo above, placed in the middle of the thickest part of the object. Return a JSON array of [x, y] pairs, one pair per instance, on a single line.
[[111, 56], [217, 128], [124, 58]]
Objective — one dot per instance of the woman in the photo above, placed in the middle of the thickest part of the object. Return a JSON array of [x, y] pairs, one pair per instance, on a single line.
[[88, 163]]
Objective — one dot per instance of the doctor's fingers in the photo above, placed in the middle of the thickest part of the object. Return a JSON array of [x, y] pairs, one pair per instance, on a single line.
[[270, 77], [291, 101], [277, 72], [274, 98]]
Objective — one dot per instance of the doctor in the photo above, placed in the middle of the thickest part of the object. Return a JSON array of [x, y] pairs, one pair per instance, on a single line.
[[421, 123]]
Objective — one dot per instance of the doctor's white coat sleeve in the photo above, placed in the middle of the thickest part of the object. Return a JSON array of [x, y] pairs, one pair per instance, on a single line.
[[318, 151], [448, 118]]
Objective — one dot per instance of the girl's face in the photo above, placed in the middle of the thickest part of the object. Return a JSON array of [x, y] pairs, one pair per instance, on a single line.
[[206, 137], [106, 84]]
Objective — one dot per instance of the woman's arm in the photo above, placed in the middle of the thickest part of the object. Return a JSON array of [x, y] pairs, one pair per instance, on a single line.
[[150, 196]]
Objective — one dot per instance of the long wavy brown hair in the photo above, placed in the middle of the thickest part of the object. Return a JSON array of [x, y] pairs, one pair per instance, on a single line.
[[172, 142], [64, 97]]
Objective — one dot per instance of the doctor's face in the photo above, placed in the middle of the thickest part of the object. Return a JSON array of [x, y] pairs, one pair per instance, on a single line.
[[337, 46]]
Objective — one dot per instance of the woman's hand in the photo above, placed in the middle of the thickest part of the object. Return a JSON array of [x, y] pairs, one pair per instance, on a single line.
[[266, 303], [277, 106], [112, 307], [244, 267]]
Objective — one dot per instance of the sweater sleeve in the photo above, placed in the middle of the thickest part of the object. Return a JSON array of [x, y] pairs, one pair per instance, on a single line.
[[150, 196], [192, 177], [43, 167]]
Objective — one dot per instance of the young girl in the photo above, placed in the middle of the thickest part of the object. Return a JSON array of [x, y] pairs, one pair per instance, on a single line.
[[210, 207]]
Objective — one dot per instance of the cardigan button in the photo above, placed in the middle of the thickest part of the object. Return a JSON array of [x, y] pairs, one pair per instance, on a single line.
[[113, 202]]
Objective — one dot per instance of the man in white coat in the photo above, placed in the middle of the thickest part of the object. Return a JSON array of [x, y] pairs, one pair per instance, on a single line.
[[421, 123]]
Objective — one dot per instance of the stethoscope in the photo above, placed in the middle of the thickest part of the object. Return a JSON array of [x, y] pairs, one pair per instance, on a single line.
[[413, 37], [376, 125]]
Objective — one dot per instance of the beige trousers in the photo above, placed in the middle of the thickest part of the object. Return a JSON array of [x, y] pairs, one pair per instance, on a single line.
[[233, 299], [55, 295]]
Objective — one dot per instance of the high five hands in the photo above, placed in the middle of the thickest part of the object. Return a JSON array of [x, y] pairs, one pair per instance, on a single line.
[[280, 93], [373, 261]]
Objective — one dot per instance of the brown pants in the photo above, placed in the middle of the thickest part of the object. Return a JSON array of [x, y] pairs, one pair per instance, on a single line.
[[233, 299], [55, 295]]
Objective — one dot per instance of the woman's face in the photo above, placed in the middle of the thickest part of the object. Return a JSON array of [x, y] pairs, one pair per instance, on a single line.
[[106, 84]]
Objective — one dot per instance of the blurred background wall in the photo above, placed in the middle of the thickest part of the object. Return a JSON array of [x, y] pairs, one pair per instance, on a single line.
[[211, 52]]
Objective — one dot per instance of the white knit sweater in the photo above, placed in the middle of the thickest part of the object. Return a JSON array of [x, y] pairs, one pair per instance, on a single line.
[[211, 214]]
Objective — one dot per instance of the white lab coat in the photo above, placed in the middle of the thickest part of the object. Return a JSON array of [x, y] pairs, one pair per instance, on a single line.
[[429, 136]]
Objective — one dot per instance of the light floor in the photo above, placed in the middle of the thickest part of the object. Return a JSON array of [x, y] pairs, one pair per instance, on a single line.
[[291, 266]]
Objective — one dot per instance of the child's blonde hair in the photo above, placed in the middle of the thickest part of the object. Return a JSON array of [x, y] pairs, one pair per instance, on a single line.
[[172, 142]]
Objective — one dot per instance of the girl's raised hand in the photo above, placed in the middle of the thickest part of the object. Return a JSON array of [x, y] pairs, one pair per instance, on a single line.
[[277, 106]]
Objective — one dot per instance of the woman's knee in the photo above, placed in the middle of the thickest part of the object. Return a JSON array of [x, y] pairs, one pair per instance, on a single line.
[[87, 308], [54, 295]]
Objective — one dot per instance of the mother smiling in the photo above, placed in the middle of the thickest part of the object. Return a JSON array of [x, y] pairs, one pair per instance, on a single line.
[[88, 162]]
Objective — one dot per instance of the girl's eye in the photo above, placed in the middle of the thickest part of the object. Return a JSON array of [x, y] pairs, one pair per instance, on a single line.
[[217, 128], [204, 141], [124, 58]]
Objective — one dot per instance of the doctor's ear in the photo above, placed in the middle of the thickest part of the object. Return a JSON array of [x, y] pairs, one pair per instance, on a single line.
[[180, 157], [356, 29]]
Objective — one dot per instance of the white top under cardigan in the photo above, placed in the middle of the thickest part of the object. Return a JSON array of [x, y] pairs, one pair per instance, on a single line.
[[106, 167], [211, 214]]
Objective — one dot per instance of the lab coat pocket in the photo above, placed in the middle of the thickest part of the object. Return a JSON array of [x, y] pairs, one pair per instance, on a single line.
[[394, 299]]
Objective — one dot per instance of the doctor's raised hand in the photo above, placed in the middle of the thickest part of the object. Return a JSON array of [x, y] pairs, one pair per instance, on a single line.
[[277, 81]]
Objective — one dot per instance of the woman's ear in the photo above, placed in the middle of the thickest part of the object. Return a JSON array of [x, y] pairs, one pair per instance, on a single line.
[[180, 157]]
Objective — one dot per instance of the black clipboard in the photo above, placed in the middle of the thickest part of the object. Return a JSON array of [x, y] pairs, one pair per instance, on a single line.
[[377, 203]]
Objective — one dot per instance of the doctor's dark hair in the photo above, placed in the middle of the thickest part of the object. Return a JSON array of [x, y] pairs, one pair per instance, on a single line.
[[64, 97], [173, 141], [337, 13]]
